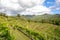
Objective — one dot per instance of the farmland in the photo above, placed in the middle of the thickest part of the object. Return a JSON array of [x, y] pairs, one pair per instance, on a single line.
[[20, 28]]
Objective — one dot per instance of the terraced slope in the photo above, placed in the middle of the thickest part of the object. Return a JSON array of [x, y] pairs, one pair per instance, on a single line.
[[21, 29], [18, 35], [49, 31]]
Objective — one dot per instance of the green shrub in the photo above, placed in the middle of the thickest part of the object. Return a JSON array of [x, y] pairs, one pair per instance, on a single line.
[[4, 33]]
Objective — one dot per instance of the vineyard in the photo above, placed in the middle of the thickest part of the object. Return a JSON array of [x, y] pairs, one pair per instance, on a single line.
[[19, 28]]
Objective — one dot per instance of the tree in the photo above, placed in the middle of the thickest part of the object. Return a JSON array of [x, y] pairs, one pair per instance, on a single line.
[[18, 15]]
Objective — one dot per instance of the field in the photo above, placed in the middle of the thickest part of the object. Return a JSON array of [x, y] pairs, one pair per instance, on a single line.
[[19, 28]]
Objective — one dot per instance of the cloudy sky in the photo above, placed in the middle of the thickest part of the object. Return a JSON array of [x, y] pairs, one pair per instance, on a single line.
[[30, 7]]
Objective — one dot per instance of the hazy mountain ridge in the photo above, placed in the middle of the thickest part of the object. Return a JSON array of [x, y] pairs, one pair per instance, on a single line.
[[45, 16]]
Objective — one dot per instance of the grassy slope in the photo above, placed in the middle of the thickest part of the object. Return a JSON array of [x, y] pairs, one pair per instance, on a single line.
[[14, 32], [40, 17], [49, 31], [18, 35]]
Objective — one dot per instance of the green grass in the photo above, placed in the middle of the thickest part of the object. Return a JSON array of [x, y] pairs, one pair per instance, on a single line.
[[21, 29], [5, 33]]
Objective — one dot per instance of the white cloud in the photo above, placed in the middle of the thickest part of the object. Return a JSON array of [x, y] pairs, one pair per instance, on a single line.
[[57, 2], [36, 10], [9, 4], [20, 3], [50, 2], [30, 3], [24, 7], [56, 6], [2, 10]]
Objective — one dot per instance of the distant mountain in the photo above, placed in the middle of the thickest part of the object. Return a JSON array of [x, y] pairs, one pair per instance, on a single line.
[[40, 17]]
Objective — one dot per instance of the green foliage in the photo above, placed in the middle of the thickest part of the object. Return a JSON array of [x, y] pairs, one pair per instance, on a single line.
[[4, 33], [53, 19], [33, 34]]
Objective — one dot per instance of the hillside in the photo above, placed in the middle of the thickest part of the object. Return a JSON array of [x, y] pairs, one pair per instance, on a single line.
[[20, 28], [46, 18]]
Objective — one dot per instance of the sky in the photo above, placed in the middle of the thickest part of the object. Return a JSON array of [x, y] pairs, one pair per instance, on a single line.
[[30, 7]]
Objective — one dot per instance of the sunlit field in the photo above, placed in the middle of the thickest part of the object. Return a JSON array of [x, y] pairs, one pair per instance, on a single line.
[[20, 28]]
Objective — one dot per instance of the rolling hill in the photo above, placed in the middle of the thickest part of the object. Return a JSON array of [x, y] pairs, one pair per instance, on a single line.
[[23, 28]]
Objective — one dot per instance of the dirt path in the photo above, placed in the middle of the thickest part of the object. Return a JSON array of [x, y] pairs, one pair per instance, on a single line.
[[18, 35]]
